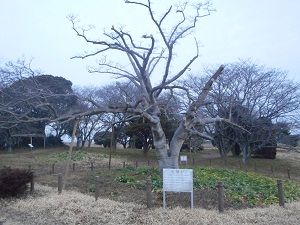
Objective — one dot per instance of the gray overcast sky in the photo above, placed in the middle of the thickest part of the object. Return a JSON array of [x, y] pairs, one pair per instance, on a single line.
[[267, 31]]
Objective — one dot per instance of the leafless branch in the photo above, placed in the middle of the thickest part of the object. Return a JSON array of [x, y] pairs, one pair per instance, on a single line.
[[200, 134]]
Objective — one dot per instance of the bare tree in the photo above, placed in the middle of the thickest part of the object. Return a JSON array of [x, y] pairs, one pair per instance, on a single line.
[[88, 125], [254, 96], [155, 53], [114, 95]]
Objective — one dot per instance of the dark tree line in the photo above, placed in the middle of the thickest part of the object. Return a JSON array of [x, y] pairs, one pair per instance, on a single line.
[[29, 100], [261, 106]]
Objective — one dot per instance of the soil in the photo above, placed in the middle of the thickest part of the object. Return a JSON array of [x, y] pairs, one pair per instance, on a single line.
[[136, 193], [203, 198], [83, 181]]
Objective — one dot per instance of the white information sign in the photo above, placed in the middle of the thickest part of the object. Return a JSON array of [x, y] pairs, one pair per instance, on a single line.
[[178, 180], [183, 158]]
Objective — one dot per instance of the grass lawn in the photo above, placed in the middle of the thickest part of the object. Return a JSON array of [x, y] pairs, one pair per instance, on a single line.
[[248, 185]]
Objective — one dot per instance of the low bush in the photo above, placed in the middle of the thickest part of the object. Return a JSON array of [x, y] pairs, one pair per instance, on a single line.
[[125, 179], [13, 182], [54, 141], [146, 171]]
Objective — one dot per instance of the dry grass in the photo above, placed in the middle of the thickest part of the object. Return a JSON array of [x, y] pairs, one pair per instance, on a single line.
[[47, 207], [119, 204]]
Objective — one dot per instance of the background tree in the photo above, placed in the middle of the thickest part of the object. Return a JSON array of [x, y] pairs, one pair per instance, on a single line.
[[27, 96], [140, 135], [256, 97], [154, 54], [114, 95], [103, 138], [259, 142], [9, 111], [285, 136]]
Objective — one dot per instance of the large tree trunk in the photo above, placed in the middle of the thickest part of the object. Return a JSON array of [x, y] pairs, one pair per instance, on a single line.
[[167, 157], [161, 147]]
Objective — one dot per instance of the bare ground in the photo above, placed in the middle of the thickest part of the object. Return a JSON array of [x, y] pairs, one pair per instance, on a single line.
[[47, 207], [126, 204]]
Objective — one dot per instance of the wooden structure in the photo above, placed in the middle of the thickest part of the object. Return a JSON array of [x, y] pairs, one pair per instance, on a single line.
[[31, 137]]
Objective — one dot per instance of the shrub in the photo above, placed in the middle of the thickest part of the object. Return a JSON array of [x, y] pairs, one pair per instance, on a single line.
[[125, 179], [268, 151], [146, 171], [54, 141], [13, 182], [157, 183]]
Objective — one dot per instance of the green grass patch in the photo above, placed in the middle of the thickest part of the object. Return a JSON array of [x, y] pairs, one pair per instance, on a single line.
[[248, 187], [59, 157], [126, 169], [76, 156], [124, 178], [146, 171]]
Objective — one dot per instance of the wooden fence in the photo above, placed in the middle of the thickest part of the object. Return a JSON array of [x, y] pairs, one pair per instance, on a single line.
[[58, 169], [148, 183]]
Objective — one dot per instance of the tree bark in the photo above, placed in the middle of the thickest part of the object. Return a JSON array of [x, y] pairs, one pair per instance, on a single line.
[[167, 156], [70, 153]]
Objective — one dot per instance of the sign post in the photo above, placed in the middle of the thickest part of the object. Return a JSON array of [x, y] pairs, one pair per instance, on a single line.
[[178, 180]]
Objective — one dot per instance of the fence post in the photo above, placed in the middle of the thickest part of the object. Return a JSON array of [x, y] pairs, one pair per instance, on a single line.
[[32, 183], [59, 183], [53, 168], [124, 164], [288, 171], [220, 187], [97, 188], [73, 167], [92, 166], [280, 193], [149, 195]]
